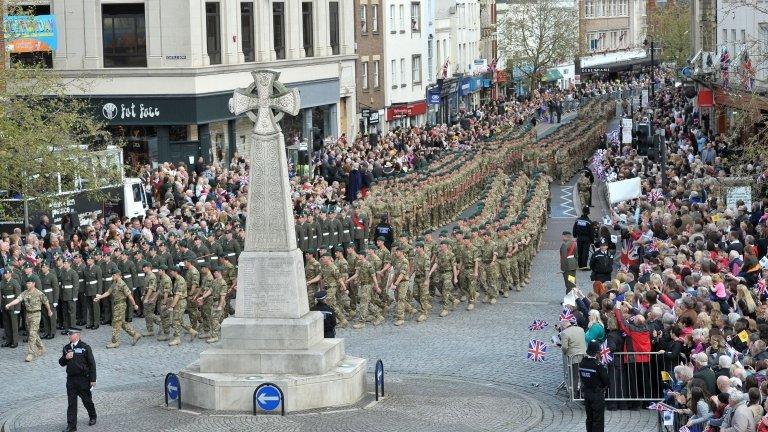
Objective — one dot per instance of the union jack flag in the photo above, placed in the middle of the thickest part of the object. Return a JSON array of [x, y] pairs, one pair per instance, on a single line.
[[538, 325], [655, 195], [537, 350], [684, 429], [725, 62], [567, 315], [656, 406], [605, 353]]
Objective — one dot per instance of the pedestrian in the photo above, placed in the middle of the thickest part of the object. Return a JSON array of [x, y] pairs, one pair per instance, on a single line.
[[601, 263], [573, 345], [568, 261], [329, 318], [594, 381], [77, 357]]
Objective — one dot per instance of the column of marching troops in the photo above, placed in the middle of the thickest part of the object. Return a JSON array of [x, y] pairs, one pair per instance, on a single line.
[[193, 273]]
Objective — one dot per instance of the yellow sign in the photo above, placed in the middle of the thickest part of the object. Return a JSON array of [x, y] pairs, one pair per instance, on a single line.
[[743, 336], [572, 279]]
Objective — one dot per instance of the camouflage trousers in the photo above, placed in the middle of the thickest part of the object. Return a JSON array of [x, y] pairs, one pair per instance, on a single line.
[[205, 314], [421, 292], [34, 344], [366, 311], [118, 322], [216, 319], [331, 301], [193, 311], [166, 320], [505, 275], [489, 275], [446, 285], [514, 271], [403, 305], [468, 284], [178, 319], [149, 316]]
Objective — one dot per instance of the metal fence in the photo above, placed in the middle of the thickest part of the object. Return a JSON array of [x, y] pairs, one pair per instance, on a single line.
[[632, 376]]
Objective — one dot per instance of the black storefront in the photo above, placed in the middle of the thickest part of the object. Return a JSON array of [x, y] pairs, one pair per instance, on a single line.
[[448, 110], [169, 128]]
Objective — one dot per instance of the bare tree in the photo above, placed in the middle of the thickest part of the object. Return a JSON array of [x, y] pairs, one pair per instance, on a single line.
[[538, 34], [669, 26]]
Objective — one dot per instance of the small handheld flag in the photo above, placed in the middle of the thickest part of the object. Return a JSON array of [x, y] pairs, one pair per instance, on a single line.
[[605, 353], [538, 325], [537, 350], [567, 315]]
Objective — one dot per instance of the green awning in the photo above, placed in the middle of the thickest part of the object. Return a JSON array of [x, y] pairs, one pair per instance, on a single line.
[[552, 75]]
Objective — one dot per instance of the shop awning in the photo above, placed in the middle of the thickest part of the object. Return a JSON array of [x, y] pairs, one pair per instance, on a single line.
[[552, 75]]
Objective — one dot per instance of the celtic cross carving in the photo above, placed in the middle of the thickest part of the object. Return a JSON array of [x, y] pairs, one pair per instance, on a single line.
[[262, 98]]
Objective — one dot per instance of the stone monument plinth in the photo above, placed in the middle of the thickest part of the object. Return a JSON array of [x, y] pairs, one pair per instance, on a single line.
[[273, 336]]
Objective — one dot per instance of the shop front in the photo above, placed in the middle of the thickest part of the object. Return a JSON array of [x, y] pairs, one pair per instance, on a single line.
[[500, 81], [487, 89], [448, 110], [175, 128], [470, 86], [407, 114]]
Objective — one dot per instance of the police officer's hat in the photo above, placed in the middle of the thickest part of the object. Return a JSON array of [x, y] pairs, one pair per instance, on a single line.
[[603, 241], [593, 348], [321, 295], [73, 330]]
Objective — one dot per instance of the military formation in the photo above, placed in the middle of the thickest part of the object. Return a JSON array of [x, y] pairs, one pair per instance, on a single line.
[[190, 273], [487, 253]]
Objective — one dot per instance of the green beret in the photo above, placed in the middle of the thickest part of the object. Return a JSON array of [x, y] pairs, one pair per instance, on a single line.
[[115, 271], [327, 254], [445, 242], [443, 233], [215, 268], [380, 238], [310, 251], [145, 264], [33, 278], [163, 267], [351, 245], [419, 244]]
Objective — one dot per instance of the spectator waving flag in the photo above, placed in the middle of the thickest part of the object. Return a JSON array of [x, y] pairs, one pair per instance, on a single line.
[[537, 350], [538, 325], [656, 406], [605, 353], [762, 289], [567, 315]]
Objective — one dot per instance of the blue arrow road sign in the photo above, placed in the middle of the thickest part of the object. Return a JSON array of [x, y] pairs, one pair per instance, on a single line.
[[172, 386], [268, 398]]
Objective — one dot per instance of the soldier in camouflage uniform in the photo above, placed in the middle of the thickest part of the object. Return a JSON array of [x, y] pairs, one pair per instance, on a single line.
[[331, 280], [421, 265], [166, 294], [400, 281], [367, 283], [470, 271], [192, 278], [205, 301], [177, 308], [502, 247], [119, 292], [489, 269], [218, 298], [149, 294], [311, 272], [445, 265], [384, 273], [343, 298], [33, 301]]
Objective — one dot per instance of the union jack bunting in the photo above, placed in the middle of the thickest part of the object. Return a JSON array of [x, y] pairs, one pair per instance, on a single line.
[[567, 315], [537, 350], [605, 353], [538, 325]]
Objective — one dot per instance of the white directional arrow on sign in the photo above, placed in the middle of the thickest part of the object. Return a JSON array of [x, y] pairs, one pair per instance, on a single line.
[[263, 398], [380, 374]]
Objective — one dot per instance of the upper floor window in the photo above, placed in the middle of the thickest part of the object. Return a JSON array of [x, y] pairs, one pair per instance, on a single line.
[[363, 18], [124, 35], [415, 17], [375, 18]]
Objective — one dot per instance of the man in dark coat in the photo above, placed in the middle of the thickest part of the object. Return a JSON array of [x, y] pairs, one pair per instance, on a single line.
[[77, 357], [354, 183], [329, 318], [585, 234]]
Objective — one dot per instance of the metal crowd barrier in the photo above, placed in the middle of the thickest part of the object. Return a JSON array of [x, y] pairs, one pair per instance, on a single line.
[[632, 376]]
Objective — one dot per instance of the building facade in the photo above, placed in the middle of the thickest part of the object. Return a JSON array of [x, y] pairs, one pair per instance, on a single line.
[[611, 25], [161, 73], [371, 83], [405, 62]]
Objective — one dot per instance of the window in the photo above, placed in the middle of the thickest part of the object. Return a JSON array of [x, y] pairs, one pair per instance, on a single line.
[[623, 39], [333, 23], [375, 74], [364, 75], [743, 36], [623, 8], [402, 19], [307, 30], [363, 18], [124, 35], [392, 17], [613, 7], [394, 73], [402, 72], [375, 18], [430, 60], [213, 32], [246, 30], [415, 17], [278, 27], [593, 41], [416, 69], [589, 8], [614, 40]]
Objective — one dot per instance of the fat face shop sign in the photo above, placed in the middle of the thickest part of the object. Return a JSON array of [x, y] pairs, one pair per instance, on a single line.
[[130, 111]]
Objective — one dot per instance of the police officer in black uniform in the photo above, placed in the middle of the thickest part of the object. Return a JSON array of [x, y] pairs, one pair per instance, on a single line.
[[77, 357], [585, 234], [601, 263], [594, 381], [329, 318]]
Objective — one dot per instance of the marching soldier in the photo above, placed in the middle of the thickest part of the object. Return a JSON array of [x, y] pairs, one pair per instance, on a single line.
[[343, 266], [489, 270], [445, 264], [470, 271], [365, 276], [311, 272], [177, 307], [331, 280], [584, 186], [422, 263], [400, 279], [218, 296], [205, 301], [192, 279], [34, 301], [107, 268], [10, 289], [502, 259], [129, 277], [119, 292], [149, 294], [164, 299]]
